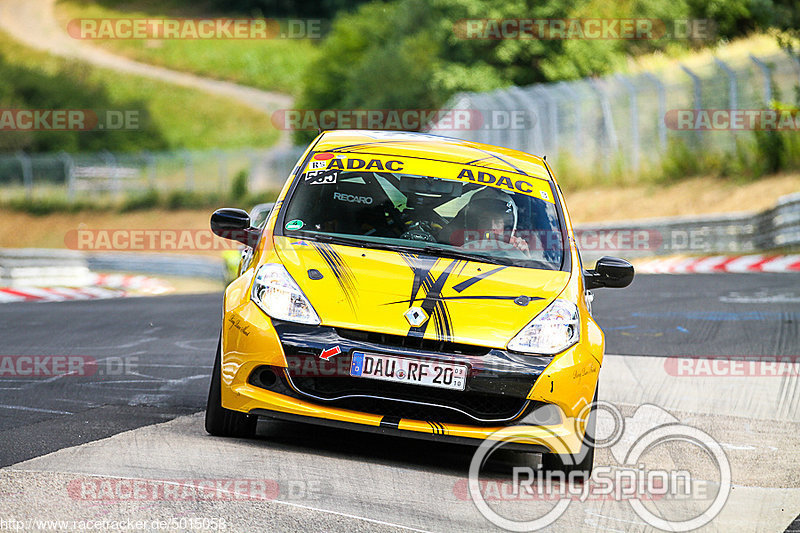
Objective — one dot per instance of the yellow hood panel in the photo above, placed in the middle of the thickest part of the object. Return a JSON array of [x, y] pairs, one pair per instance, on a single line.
[[371, 290]]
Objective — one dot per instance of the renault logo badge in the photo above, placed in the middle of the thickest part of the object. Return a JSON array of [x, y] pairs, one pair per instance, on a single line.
[[416, 316]]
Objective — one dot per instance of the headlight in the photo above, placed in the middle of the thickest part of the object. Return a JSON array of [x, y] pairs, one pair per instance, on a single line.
[[554, 330], [277, 294]]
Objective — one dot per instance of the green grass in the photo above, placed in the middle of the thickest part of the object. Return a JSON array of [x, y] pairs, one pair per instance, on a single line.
[[274, 64], [183, 117]]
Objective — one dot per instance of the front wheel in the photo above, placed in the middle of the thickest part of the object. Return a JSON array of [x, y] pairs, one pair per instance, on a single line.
[[223, 422]]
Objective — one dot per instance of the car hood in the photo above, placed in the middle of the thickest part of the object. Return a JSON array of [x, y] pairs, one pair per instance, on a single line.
[[463, 301]]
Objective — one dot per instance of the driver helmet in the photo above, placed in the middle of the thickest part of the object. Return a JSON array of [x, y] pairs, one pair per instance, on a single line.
[[487, 208]]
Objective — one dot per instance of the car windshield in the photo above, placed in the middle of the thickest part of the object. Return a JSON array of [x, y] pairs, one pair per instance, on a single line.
[[427, 214]]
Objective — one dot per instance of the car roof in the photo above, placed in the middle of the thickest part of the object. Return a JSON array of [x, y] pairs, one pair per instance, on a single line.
[[427, 146]]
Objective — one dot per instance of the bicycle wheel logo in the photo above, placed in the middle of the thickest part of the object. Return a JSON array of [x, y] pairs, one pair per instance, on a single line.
[[631, 441]]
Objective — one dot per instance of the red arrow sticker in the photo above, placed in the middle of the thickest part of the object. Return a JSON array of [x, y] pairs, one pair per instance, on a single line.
[[329, 352]]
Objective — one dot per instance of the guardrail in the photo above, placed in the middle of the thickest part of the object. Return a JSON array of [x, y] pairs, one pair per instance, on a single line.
[[777, 228], [31, 267], [182, 265]]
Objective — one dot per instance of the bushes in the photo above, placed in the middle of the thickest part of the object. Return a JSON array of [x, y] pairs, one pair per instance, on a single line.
[[756, 154], [409, 54]]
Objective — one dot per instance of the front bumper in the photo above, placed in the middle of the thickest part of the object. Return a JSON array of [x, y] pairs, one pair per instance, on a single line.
[[274, 369]]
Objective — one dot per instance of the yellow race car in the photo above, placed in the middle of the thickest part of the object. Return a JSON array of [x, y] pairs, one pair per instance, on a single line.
[[418, 286]]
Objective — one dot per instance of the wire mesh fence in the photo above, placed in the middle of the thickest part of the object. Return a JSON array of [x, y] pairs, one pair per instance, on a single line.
[[106, 174], [626, 122]]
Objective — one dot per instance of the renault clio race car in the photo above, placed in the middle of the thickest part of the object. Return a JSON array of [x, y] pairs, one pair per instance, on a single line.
[[418, 286]]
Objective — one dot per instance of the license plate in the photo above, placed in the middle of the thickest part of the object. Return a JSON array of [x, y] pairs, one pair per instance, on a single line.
[[406, 370]]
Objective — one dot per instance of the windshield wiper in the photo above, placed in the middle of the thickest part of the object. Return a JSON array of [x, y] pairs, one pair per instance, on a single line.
[[324, 237], [466, 256], [428, 250]]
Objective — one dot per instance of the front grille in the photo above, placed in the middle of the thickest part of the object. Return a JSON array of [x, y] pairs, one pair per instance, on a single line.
[[416, 343], [407, 401]]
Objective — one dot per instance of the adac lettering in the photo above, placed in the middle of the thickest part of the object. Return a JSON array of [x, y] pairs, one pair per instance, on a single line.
[[501, 181], [353, 163]]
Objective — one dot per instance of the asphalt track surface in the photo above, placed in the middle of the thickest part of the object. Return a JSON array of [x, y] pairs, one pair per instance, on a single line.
[[153, 357]]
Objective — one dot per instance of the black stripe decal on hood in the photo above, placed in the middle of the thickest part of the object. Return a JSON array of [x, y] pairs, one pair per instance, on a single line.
[[432, 304], [475, 279], [344, 276], [474, 297]]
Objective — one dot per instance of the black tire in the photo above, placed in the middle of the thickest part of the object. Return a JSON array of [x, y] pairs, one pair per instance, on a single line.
[[223, 422], [578, 467]]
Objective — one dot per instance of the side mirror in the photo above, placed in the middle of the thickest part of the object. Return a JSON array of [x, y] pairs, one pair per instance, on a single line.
[[609, 272], [234, 224]]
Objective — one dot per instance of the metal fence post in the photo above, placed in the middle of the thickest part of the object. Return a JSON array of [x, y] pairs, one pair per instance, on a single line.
[[733, 96], [578, 117], [222, 169], [733, 100], [697, 96], [534, 133], [111, 161], [634, 120], [767, 79], [69, 174], [552, 114], [189, 169], [509, 105], [151, 169], [608, 121], [662, 109], [796, 62], [27, 173]]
